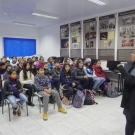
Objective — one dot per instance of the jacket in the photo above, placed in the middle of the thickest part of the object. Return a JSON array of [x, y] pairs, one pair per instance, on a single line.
[[89, 72], [128, 98], [50, 66], [42, 82], [66, 78], [8, 87], [78, 73], [99, 71], [39, 64], [29, 80], [48, 72], [56, 72], [5, 76]]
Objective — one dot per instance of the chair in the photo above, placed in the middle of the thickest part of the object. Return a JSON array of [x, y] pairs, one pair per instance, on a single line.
[[6, 101]]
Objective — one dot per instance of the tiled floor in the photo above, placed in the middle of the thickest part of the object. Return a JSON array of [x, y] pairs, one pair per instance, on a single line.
[[106, 118]]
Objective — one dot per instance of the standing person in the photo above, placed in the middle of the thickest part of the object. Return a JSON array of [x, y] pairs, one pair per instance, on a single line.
[[50, 63], [43, 87], [14, 62], [5, 75], [13, 90], [128, 99], [40, 62], [79, 75], [91, 73], [27, 80]]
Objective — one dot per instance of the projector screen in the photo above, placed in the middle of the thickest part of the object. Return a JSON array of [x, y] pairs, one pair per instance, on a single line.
[[19, 47]]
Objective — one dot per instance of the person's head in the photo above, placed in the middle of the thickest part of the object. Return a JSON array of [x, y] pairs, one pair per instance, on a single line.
[[80, 64], [19, 59], [7, 62], [133, 56], [57, 63], [75, 61], [27, 66], [98, 63], [24, 58], [87, 62], [14, 59], [45, 66], [2, 65], [21, 62], [66, 60], [66, 67], [29, 59], [8, 67], [12, 74], [33, 58], [3, 60], [40, 70], [50, 59], [36, 58], [4, 57], [41, 59]]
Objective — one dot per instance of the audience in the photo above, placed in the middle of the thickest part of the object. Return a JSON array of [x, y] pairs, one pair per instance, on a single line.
[[5, 75], [27, 80], [13, 90], [43, 87]]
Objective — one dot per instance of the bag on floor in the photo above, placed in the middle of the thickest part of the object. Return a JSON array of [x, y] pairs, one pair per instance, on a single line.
[[112, 91], [78, 99], [89, 97]]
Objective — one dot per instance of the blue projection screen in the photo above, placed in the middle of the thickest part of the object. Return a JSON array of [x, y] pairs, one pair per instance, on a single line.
[[19, 47]]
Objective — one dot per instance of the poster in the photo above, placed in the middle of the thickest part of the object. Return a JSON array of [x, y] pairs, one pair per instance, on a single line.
[[104, 36], [104, 25], [75, 46], [91, 44], [111, 35], [64, 43], [128, 20], [78, 39], [93, 35], [92, 26], [74, 40], [86, 36], [112, 24], [107, 43], [64, 32], [128, 43], [87, 44], [75, 31]]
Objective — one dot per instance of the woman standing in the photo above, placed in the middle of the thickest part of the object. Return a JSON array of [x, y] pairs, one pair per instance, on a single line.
[[128, 99]]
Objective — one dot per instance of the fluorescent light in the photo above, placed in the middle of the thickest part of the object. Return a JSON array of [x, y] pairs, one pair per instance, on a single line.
[[26, 24], [98, 2], [43, 14]]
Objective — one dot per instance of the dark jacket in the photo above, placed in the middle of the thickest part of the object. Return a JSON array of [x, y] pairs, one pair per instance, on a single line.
[[78, 73], [56, 72], [42, 82], [128, 99], [5, 76], [8, 87], [66, 78], [2, 72], [18, 69], [48, 72]]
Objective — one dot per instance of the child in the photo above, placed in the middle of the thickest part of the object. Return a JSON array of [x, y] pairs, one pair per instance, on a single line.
[[43, 87], [68, 82], [66, 60], [7, 62], [27, 80], [74, 63], [56, 74], [50, 63], [24, 59], [19, 67], [14, 62], [47, 71], [12, 90], [5, 75], [2, 68], [91, 73], [40, 62], [79, 75]]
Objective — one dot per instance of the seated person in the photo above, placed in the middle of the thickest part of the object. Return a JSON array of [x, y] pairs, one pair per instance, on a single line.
[[13, 90], [36, 61], [67, 82], [43, 87], [19, 67], [74, 63], [91, 73], [47, 71], [27, 80], [40, 62], [79, 75], [5, 75], [56, 74], [33, 58], [100, 73], [34, 70], [24, 59], [2, 68], [14, 62], [3, 59], [50, 63], [66, 60], [7, 62]]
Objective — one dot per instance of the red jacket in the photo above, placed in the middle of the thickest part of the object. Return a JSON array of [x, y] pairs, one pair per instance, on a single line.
[[99, 71]]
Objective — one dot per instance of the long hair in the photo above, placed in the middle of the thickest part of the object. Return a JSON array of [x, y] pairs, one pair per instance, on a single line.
[[25, 70], [19, 86], [90, 67], [63, 69], [79, 61]]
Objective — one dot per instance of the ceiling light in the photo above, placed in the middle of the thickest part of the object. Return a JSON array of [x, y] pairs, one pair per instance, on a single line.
[[98, 2], [43, 14], [25, 24]]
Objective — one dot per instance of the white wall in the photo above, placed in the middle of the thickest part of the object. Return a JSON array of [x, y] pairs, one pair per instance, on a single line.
[[50, 41], [18, 31]]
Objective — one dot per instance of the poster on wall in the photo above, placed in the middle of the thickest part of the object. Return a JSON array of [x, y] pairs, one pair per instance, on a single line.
[[64, 43], [126, 36], [107, 25]]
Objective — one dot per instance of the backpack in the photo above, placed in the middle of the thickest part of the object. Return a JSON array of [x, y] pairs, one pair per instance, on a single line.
[[89, 97], [112, 91], [78, 99]]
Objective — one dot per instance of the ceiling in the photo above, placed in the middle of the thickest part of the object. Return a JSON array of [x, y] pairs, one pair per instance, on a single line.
[[67, 10]]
